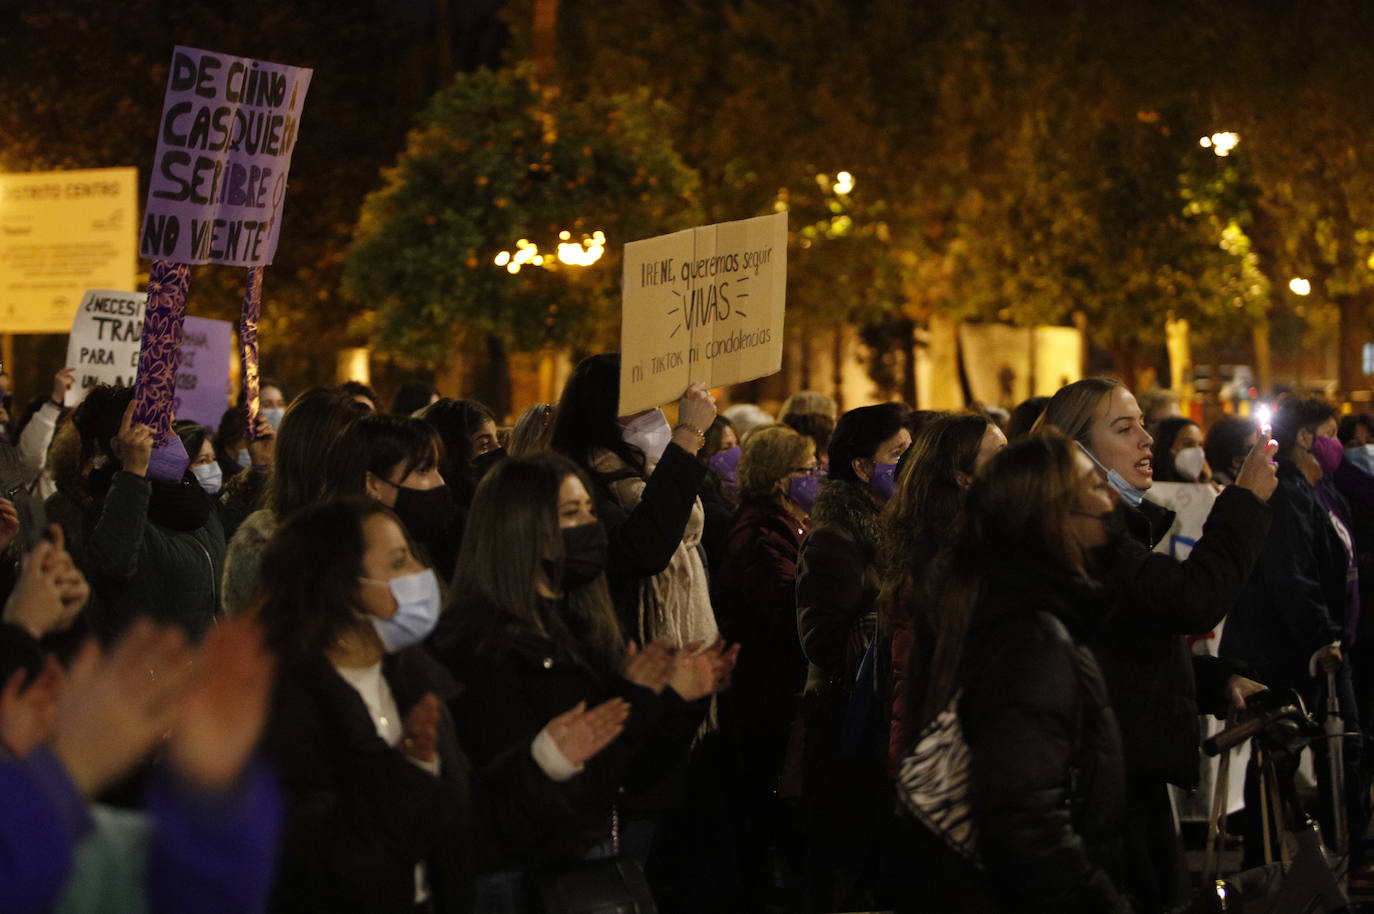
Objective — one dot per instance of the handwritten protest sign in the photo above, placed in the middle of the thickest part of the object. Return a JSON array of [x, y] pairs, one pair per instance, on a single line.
[[104, 340], [704, 304], [229, 126], [202, 393]]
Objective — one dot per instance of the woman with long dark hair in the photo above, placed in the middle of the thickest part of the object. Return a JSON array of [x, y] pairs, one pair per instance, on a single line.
[[1009, 608], [384, 811], [645, 479], [532, 630], [399, 461], [929, 503]]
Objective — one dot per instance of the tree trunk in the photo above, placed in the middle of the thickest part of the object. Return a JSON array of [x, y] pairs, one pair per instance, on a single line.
[[1126, 362], [907, 331], [545, 40], [1264, 360], [837, 367], [491, 382], [1353, 334], [443, 41]]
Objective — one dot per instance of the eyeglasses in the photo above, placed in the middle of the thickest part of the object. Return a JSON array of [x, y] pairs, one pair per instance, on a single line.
[[805, 471]]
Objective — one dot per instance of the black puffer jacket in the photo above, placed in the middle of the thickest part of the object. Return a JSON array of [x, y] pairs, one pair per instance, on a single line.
[[1154, 682], [1047, 778]]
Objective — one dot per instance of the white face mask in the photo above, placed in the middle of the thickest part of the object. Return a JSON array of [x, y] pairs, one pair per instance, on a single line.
[[210, 477], [273, 415], [1189, 462], [650, 433]]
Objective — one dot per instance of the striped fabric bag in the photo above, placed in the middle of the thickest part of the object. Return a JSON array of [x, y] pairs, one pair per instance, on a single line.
[[933, 783]]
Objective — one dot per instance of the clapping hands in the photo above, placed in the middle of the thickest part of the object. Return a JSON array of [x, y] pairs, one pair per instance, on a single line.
[[692, 672]]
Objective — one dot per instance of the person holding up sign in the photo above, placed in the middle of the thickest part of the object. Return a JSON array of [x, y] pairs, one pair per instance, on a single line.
[[645, 480], [154, 548]]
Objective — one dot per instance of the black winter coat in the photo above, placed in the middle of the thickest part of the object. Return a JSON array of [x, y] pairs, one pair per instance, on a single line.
[[837, 580], [642, 542], [360, 815], [516, 681], [1047, 778], [1295, 600], [1145, 660]]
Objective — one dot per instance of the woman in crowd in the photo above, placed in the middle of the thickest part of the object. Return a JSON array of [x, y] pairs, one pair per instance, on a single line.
[[754, 595], [813, 415], [838, 576], [308, 431], [720, 489], [152, 547], [1010, 609], [384, 813], [1156, 685], [397, 460], [940, 467], [532, 430], [200, 449], [1177, 454], [1229, 441], [645, 478], [535, 632]]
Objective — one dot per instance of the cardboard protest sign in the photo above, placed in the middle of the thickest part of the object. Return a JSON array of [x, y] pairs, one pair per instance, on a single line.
[[229, 126], [202, 393], [61, 233], [705, 304], [104, 340]]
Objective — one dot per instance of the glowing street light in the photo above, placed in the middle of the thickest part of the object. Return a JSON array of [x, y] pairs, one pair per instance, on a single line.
[[1220, 143], [571, 253], [844, 182], [1299, 286]]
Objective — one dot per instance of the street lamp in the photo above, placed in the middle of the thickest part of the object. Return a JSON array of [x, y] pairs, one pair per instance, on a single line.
[[1220, 143], [1299, 286]]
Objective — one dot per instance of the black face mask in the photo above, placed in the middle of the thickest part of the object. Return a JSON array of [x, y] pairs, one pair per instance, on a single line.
[[584, 556], [427, 513], [483, 463]]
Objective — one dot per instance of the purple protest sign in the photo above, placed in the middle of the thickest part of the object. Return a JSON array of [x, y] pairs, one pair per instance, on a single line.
[[203, 373], [248, 346], [218, 184]]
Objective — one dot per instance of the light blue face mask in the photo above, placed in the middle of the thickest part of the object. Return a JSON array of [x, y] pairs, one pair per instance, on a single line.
[[210, 477], [417, 610], [1129, 493], [273, 415]]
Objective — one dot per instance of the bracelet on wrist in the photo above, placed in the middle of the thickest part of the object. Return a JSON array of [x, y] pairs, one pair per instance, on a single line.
[[701, 436]]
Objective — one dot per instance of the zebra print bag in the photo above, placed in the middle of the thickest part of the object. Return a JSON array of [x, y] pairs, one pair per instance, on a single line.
[[933, 783]]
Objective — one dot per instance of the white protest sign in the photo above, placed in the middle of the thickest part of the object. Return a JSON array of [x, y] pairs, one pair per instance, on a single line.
[[1191, 502], [228, 128], [104, 340], [705, 304]]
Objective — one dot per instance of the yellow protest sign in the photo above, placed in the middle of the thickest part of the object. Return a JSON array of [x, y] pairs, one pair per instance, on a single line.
[[61, 233]]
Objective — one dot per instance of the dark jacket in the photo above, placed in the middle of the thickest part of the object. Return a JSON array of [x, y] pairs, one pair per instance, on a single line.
[[360, 815], [138, 567], [1158, 600], [754, 596], [515, 682], [1295, 599], [837, 581], [642, 542], [1046, 770], [720, 518]]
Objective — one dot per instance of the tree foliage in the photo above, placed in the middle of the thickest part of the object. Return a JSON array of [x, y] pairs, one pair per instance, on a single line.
[[495, 161]]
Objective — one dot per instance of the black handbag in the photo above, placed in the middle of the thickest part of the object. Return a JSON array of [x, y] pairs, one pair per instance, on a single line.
[[613, 885]]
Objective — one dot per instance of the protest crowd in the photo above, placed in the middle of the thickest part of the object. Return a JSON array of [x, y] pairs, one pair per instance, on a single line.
[[392, 657]]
